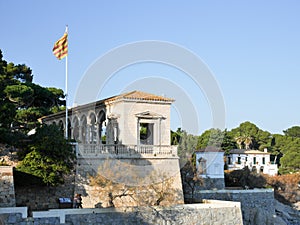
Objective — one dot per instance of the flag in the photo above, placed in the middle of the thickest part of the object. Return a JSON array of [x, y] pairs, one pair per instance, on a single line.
[[60, 49]]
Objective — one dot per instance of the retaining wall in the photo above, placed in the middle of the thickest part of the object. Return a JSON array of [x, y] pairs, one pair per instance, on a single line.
[[256, 204], [210, 212], [132, 170], [45, 197]]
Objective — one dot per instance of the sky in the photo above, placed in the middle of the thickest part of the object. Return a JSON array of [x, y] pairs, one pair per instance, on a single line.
[[248, 52]]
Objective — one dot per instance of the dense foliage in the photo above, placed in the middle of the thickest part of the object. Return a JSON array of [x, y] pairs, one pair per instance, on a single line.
[[45, 155], [22, 102], [50, 156]]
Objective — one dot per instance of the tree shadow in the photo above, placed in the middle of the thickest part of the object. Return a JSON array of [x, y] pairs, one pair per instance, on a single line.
[[127, 171]]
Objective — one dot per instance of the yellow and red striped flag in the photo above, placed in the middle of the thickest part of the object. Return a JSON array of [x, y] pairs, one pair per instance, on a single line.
[[60, 49]]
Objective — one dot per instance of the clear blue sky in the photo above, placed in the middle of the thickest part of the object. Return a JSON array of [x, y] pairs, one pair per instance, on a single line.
[[251, 47]]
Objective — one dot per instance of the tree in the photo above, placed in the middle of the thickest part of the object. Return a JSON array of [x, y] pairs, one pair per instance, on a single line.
[[239, 140], [190, 177], [176, 136], [50, 156], [216, 138], [186, 147], [247, 141], [292, 132], [259, 139], [286, 148], [211, 137], [290, 162], [264, 140], [228, 143], [22, 102]]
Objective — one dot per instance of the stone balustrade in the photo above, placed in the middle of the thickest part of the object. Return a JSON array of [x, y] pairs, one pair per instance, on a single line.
[[142, 151]]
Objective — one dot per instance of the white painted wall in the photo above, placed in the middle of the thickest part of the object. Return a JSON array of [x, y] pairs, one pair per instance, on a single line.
[[214, 163]]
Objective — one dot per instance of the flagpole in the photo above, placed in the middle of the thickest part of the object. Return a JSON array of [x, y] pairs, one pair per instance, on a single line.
[[60, 50], [66, 90]]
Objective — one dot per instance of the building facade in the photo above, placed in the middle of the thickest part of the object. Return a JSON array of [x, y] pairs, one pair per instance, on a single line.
[[255, 160], [131, 119], [130, 134]]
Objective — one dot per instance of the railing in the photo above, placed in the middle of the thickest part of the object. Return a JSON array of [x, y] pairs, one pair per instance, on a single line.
[[126, 150]]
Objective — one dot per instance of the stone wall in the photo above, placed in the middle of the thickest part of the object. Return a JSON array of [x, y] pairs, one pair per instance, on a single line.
[[211, 212], [45, 197], [7, 192], [128, 171], [212, 184], [257, 204]]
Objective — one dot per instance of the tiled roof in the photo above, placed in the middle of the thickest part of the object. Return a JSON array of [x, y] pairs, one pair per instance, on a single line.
[[256, 152], [139, 95], [133, 95], [237, 151], [246, 151]]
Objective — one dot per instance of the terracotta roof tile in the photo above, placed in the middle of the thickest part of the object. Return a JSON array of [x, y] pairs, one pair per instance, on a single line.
[[139, 95]]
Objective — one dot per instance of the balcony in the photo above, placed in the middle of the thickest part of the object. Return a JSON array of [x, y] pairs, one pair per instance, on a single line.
[[125, 151]]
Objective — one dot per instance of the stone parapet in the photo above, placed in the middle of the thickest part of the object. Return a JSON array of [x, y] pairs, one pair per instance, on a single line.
[[209, 212], [254, 203]]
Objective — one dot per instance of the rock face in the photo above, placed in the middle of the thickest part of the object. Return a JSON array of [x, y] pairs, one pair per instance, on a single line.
[[286, 214]]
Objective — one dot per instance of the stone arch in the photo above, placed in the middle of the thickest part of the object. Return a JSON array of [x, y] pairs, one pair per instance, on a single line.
[[101, 118], [75, 123], [61, 125], [69, 129], [92, 128], [83, 128]]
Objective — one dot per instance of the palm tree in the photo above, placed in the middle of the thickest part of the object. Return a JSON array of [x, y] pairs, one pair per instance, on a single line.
[[247, 141], [239, 140]]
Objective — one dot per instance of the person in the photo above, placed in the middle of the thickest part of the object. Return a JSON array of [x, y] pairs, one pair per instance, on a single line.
[[75, 201], [79, 201]]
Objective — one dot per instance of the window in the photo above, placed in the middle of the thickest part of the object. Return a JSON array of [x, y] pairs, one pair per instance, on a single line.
[[239, 160], [263, 160], [146, 133], [202, 166], [254, 160], [229, 160]]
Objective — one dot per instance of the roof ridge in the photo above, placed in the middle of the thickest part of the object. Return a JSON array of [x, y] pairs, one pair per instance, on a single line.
[[140, 95]]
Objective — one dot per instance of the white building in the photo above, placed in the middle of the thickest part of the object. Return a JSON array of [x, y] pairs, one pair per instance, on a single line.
[[210, 166], [253, 159], [130, 129]]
